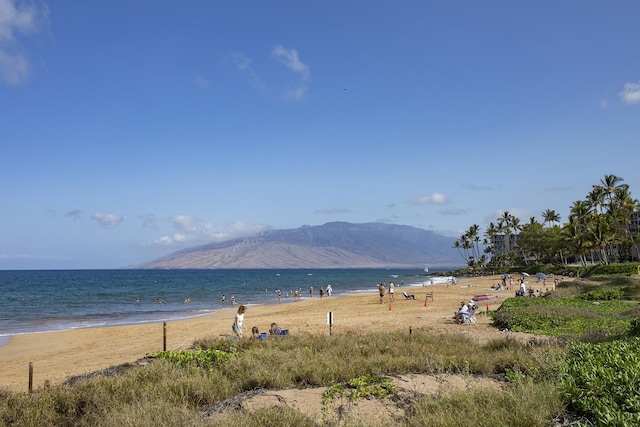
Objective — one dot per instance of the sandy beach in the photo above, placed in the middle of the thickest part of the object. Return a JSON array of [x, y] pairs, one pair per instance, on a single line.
[[58, 355]]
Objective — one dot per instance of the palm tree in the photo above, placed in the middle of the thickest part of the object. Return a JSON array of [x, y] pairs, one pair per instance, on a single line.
[[550, 216], [608, 188]]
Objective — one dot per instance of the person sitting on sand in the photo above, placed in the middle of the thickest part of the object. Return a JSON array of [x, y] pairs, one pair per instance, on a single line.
[[275, 329], [463, 311], [255, 332]]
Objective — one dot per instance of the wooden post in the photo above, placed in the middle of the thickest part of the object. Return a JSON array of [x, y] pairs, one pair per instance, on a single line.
[[164, 336], [410, 330], [330, 322], [30, 377]]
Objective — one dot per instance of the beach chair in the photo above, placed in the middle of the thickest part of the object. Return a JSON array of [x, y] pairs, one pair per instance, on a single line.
[[429, 295], [407, 296]]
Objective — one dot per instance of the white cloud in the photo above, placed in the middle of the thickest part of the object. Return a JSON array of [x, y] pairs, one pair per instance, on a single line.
[[15, 20], [108, 220], [631, 93], [289, 58], [193, 231], [435, 199]]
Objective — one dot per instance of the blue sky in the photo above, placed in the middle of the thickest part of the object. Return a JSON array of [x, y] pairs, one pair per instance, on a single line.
[[131, 129]]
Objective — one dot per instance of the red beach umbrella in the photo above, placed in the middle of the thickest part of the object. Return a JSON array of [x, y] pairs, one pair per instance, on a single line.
[[484, 297]]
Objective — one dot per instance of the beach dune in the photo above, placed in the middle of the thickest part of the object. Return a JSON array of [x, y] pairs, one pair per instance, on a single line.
[[56, 356]]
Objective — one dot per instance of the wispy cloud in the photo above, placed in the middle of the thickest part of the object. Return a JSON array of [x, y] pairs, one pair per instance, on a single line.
[[148, 221], [193, 231], [435, 199], [289, 58], [244, 65], [16, 21], [332, 211], [73, 214], [108, 220], [201, 82], [631, 93], [476, 187], [388, 220], [454, 212]]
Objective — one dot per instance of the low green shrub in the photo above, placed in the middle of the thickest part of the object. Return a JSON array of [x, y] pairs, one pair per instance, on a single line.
[[602, 380], [575, 318]]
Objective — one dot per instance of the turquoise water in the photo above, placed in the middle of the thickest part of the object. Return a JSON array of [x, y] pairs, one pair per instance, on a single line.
[[37, 301]]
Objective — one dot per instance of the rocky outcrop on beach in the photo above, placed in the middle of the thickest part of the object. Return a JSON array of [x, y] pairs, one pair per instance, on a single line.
[[332, 245]]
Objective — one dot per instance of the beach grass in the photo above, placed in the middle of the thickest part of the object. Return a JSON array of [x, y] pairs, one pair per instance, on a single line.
[[166, 393], [540, 378]]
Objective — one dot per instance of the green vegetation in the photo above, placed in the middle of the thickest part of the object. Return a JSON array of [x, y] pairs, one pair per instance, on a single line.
[[581, 318], [602, 380], [589, 371], [598, 231]]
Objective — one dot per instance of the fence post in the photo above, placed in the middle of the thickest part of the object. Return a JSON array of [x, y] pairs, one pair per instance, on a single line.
[[30, 377], [164, 336]]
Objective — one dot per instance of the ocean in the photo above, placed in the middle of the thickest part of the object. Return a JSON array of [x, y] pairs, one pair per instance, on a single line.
[[39, 300]]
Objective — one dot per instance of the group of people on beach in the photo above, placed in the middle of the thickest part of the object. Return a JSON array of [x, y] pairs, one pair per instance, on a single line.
[[238, 326], [238, 321], [383, 289], [466, 312]]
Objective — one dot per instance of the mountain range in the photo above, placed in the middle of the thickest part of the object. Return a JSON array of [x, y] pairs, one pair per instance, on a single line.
[[332, 245]]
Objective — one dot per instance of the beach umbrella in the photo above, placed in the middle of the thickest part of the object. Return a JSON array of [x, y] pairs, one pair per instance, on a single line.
[[541, 276], [525, 274], [506, 276], [484, 297]]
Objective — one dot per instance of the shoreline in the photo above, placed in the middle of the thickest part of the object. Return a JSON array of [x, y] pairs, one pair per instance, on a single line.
[[58, 355], [5, 337]]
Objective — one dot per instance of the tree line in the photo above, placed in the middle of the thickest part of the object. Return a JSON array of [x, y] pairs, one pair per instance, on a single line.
[[598, 230]]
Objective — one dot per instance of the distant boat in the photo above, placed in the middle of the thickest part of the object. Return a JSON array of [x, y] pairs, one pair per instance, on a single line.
[[426, 269]]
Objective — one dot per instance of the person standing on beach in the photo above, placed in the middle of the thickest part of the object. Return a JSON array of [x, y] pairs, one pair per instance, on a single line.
[[382, 290], [311, 292], [329, 290], [238, 322], [223, 298], [233, 299], [391, 286]]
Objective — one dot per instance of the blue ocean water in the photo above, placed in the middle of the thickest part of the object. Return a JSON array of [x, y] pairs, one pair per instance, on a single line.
[[37, 300]]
